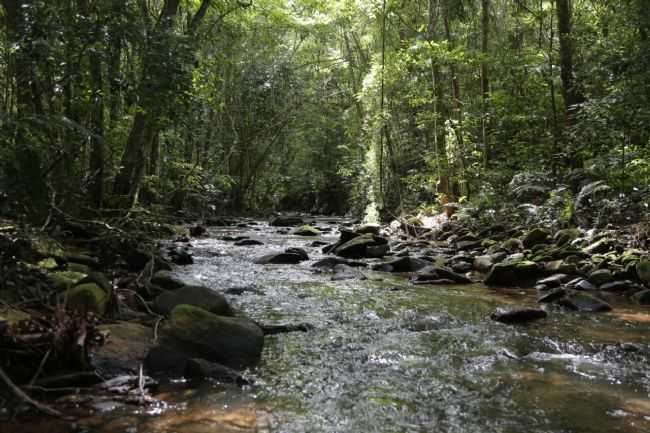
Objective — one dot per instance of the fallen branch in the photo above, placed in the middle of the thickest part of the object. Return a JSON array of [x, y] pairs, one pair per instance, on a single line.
[[27, 399]]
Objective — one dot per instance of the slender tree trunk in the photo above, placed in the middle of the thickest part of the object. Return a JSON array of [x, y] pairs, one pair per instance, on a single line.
[[485, 82], [570, 87], [97, 162]]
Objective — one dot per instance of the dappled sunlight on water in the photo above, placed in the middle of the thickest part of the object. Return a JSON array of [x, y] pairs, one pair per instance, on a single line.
[[385, 356]]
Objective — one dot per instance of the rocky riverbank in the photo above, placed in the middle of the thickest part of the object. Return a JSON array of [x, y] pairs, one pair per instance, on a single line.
[[87, 318]]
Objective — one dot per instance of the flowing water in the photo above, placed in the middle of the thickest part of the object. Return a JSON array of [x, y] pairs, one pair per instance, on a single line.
[[389, 357]]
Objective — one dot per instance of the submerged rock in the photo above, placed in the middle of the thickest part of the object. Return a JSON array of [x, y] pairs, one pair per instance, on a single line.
[[248, 242], [578, 301], [197, 368], [197, 296], [523, 315]]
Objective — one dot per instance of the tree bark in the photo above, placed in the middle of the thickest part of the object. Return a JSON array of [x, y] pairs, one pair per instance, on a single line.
[[570, 87]]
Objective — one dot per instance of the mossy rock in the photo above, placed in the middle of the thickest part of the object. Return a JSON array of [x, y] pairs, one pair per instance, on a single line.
[[513, 244], [600, 247], [566, 236], [87, 298], [536, 236], [307, 231], [63, 280], [48, 264], [47, 247], [487, 243], [197, 296], [125, 348], [232, 341], [601, 276], [643, 271], [514, 274], [78, 267], [359, 246], [371, 229]]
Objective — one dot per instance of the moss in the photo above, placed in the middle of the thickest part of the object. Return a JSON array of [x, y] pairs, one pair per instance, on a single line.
[[87, 298], [307, 230], [63, 280]]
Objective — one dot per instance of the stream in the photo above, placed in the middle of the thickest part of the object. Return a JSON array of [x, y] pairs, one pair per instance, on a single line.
[[386, 356]]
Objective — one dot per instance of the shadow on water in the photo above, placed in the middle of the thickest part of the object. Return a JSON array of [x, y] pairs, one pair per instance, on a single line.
[[388, 357]]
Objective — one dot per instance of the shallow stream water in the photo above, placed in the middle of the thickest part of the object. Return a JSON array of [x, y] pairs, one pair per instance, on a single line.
[[386, 356]]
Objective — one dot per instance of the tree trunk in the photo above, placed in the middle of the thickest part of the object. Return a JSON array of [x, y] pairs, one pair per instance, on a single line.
[[570, 87], [97, 129], [485, 83]]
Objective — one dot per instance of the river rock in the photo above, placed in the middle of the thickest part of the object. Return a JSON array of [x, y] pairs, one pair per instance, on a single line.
[[536, 236], [167, 280], [523, 315], [286, 221], [513, 274], [372, 229], [580, 284], [197, 296], [618, 286], [551, 295], [279, 259], [307, 231], [642, 297], [554, 280], [330, 262], [124, 348], [231, 341], [601, 276], [579, 301], [63, 280], [483, 263], [403, 264], [345, 272], [566, 236], [248, 242], [600, 247], [87, 298], [181, 256], [299, 251], [197, 231], [643, 271], [438, 275], [362, 246], [197, 368]]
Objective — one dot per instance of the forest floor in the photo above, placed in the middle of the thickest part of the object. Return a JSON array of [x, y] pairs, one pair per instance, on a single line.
[[95, 313]]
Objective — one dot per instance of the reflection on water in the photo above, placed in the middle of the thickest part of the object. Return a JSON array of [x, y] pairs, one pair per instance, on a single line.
[[388, 357]]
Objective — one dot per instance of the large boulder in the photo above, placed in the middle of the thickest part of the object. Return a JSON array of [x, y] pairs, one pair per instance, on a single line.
[[192, 332], [63, 280], [514, 274], [367, 245], [197, 296], [87, 298], [124, 350], [601, 276], [167, 280], [565, 236]]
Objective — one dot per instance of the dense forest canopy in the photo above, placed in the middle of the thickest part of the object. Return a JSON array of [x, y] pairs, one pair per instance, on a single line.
[[328, 106]]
